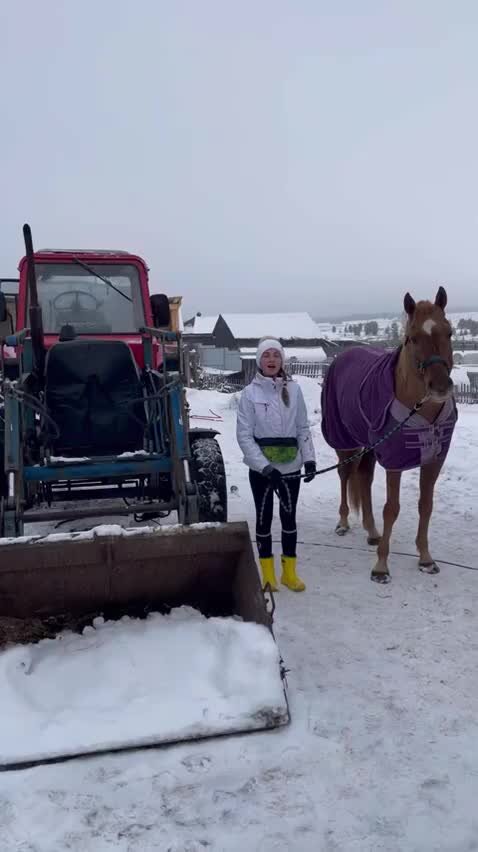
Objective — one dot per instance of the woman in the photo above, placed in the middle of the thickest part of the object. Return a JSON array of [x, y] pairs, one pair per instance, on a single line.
[[274, 435]]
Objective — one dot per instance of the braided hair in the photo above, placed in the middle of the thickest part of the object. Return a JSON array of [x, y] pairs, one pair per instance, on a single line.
[[285, 390]]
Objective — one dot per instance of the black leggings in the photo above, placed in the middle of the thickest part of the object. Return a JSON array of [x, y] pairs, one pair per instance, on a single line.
[[263, 494]]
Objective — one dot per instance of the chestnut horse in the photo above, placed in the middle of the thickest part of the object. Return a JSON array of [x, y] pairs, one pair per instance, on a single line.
[[366, 395]]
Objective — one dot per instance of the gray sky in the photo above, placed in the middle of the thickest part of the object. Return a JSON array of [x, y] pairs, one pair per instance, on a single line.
[[260, 154]]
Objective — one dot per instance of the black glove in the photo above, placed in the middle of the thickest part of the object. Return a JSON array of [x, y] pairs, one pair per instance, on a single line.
[[273, 475], [310, 469]]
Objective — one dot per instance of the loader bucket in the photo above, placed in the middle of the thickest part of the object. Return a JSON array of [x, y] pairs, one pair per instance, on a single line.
[[67, 582]]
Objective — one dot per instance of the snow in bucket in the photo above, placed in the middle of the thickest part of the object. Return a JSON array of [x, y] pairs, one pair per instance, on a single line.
[[138, 682]]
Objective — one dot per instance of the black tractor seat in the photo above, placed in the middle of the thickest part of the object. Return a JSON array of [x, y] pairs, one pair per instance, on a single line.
[[93, 394]]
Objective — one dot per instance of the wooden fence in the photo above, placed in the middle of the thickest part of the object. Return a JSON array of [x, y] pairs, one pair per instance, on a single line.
[[466, 394], [311, 369]]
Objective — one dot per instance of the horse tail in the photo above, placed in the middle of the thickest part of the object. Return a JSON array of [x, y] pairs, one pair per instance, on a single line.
[[361, 477]]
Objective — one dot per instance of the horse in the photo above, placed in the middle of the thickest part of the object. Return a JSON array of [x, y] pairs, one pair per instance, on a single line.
[[367, 396]]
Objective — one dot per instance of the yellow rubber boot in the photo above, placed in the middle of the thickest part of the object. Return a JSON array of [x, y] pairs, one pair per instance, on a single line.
[[289, 577], [268, 573]]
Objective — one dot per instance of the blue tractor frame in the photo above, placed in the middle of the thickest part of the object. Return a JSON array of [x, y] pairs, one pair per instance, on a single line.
[[171, 454]]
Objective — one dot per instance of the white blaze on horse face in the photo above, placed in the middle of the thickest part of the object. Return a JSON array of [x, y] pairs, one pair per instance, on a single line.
[[429, 325]]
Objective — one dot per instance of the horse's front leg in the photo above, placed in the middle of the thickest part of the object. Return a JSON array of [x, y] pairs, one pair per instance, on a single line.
[[380, 572], [428, 477]]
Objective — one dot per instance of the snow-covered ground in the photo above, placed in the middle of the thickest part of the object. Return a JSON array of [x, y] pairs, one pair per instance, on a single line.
[[382, 750]]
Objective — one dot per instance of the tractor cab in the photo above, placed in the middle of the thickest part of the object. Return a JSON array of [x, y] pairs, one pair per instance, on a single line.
[[93, 294]]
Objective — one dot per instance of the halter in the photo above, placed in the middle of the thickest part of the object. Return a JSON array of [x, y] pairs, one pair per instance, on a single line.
[[428, 362], [433, 359]]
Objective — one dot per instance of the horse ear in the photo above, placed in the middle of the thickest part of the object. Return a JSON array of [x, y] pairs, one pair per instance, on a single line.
[[441, 298], [409, 304]]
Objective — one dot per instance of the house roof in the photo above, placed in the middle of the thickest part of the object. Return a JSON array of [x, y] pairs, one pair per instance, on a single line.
[[309, 353], [203, 325], [285, 326]]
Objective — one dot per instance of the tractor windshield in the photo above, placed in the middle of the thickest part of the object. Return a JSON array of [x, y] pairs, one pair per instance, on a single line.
[[70, 294]]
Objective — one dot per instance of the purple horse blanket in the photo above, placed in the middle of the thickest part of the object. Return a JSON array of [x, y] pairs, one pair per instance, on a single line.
[[359, 407]]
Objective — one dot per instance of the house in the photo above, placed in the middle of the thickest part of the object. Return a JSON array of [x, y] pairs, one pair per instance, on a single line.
[[228, 342], [198, 330], [236, 331], [243, 331]]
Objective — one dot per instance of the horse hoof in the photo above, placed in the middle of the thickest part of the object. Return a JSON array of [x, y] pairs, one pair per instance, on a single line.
[[380, 577], [340, 530], [429, 567], [373, 541]]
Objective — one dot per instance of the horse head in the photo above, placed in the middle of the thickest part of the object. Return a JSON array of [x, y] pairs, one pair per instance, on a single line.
[[428, 339]]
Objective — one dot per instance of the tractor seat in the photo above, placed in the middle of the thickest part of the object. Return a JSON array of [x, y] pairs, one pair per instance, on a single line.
[[90, 386]]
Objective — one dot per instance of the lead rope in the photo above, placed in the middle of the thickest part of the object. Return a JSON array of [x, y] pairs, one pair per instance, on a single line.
[[351, 459], [366, 450]]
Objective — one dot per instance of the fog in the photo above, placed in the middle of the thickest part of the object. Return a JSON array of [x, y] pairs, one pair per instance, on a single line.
[[268, 155]]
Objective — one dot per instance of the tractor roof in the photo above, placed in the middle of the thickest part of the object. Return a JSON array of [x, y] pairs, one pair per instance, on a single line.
[[108, 255], [83, 251]]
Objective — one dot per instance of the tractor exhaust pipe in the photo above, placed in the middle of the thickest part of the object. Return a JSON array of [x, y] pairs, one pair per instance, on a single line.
[[34, 311]]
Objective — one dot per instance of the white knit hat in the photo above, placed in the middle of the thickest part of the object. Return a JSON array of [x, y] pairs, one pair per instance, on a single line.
[[266, 343]]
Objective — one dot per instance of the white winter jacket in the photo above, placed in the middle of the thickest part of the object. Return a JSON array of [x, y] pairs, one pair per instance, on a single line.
[[263, 414]]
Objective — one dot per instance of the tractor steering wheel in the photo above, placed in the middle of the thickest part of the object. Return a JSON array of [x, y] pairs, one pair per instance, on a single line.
[[75, 304]]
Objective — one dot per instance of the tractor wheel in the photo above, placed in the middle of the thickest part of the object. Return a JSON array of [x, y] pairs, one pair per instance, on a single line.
[[208, 472]]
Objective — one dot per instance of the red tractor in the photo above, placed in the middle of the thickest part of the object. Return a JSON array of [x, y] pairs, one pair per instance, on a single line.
[[96, 425], [98, 408]]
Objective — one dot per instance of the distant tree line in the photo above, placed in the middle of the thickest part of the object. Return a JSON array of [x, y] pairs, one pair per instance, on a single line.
[[369, 329], [392, 331], [469, 325]]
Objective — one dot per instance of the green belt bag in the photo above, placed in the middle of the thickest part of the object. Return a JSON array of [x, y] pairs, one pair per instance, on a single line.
[[278, 450]]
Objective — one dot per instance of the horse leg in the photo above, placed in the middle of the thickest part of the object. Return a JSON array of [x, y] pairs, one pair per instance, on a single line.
[[428, 477], [344, 473], [366, 471], [380, 572]]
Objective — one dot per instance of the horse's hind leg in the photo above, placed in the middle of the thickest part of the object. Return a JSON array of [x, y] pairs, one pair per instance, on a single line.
[[366, 472], [345, 472]]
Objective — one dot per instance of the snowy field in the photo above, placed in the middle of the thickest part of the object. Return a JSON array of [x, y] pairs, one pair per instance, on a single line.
[[382, 750]]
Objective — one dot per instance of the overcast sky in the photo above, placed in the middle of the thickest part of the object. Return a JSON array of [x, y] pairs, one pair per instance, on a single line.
[[259, 154]]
